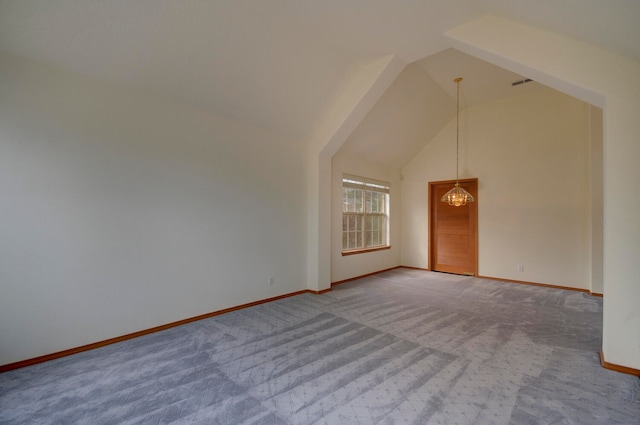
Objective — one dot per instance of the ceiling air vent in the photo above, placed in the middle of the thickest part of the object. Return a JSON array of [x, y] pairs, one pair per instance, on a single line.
[[517, 83]]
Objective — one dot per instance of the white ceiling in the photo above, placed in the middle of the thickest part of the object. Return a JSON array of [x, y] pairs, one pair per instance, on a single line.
[[281, 64], [481, 81], [407, 116], [421, 101]]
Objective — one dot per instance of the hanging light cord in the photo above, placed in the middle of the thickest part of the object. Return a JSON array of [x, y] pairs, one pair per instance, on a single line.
[[457, 81], [457, 196]]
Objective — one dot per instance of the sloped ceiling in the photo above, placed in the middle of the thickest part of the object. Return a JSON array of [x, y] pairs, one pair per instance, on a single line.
[[279, 64], [421, 101], [408, 115], [251, 61]]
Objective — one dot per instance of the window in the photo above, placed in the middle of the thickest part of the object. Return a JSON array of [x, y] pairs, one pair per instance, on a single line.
[[365, 214]]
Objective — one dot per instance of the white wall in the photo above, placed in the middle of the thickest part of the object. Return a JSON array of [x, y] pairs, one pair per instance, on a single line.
[[360, 264], [368, 84], [535, 143], [596, 199], [120, 212]]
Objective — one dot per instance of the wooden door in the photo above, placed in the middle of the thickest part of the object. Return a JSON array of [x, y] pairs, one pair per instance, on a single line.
[[453, 231]]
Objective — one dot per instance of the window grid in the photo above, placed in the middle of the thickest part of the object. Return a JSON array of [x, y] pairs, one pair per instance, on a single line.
[[365, 215]]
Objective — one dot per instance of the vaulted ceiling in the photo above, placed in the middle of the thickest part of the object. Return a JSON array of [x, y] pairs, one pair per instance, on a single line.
[[421, 101], [281, 64]]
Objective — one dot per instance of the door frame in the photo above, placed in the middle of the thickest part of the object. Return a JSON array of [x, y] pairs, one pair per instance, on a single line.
[[473, 211]]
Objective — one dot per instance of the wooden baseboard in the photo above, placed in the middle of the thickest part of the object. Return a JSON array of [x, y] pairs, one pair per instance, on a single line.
[[545, 285], [75, 350], [415, 268], [64, 353], [524, 282], [319, 292], [364, 275], [618, 368]]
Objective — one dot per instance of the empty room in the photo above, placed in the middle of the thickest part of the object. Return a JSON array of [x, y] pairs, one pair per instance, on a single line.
[[319, 212]]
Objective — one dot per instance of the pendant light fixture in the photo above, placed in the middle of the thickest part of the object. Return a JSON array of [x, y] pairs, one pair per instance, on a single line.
[[457, 196]]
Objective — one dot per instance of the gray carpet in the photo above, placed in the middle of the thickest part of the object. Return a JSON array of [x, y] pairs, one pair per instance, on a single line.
[[401, 347]]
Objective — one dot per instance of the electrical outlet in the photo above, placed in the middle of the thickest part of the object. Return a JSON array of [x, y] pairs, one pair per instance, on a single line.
[[520, 268], [270, 280]]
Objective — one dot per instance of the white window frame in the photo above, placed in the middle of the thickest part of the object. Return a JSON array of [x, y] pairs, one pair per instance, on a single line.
[[362, 224]]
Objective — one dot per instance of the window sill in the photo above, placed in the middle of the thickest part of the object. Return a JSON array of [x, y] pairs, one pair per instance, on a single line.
[[362, 251]]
